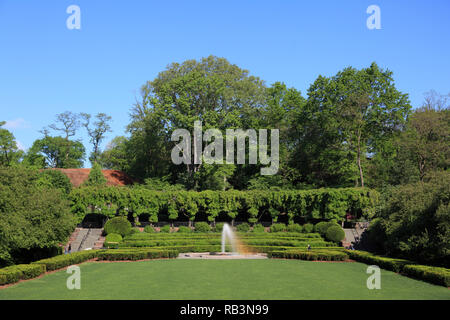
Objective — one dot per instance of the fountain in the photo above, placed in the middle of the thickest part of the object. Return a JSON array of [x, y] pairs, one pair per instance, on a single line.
[[238, 250]]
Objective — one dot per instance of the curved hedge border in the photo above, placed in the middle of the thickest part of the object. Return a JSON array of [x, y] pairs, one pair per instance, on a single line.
[[19, 272], [331, 203], [133, 255], [436, 275]]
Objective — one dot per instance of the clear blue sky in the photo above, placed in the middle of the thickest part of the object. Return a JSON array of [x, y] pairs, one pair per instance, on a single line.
[[46, 68]]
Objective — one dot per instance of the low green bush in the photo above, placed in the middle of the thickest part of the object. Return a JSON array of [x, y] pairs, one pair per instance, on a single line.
[[294, 227], [309, 255], [184, 229], [65, 260], [278, 227], [335, 233], [165, 229], [243, 227], [119, 225], [308, 228], [436, 275], [202, 227], [149, 229], [258, 228], [19, 272]]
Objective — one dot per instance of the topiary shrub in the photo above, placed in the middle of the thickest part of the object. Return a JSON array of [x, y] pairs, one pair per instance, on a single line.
[[258, 228], [278, 227], [243, 227], [184, 229], [335, 233], [321, 227], [295, 227], [165, 229], [202, 227], [119, 225], [308, 228], [149, 229]]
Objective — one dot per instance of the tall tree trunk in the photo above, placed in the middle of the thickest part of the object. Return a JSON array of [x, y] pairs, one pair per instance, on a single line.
[[359, 162]]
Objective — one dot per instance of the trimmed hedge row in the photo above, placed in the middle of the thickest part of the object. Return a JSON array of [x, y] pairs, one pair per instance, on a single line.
[[391, 264], [133, 255], [309, 255], [436, 275], [66, 260], [285, 235], [18, 272]]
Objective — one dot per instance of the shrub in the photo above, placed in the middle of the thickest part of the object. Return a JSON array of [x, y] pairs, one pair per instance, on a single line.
[[149, 229], [258, 228], [202, 227], [243, 227], [309, 255], [391, 264], [134, 230], [219, 227], [18, 272], [165, 229], [65, 260], [308, 228], [119, 225], [278, 227], [335, 233], [439, 276], [321, 227], [184, 229], [112, 240], [136, 254], [295, 227]]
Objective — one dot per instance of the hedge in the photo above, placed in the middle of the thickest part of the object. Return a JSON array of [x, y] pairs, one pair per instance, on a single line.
[[324, 203], [309, 255], [133, 255], [65, 260], [391, 264], [436, 275], [18, 272]]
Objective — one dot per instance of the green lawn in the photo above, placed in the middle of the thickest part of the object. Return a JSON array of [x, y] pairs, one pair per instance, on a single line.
[[224, 279]]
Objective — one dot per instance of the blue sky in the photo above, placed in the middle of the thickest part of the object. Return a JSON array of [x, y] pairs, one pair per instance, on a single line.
[[46, 69]]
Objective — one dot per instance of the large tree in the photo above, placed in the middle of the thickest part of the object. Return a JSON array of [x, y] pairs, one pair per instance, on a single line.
[[346, 119], [9, 152], [211, 90]]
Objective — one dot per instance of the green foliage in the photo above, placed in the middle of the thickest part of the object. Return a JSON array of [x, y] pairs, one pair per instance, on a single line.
[[33, 217], [149, 229], [314, 204], [9, 152], [184, 229], [66, 260], [335, 233], [414, 222], [96, 177], [118, 225], [133, 255], [439, 276], [165, 229], [19, 272], [308, 228], [391, 264], [278, 227], [202, 227], [113, 237], [55, 179], [219, 227], [243, 227], [258, 228], [294, 227], [321, 255]]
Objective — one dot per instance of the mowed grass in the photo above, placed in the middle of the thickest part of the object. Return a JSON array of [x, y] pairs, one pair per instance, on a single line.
[[224, 279]]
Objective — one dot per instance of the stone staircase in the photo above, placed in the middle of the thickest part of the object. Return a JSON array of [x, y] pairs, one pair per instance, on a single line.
[[86, 238], [353, 235]]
